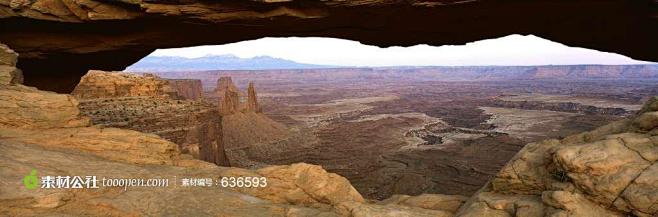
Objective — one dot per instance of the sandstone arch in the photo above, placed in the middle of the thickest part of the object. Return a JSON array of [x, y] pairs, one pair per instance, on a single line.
[[59, 40]]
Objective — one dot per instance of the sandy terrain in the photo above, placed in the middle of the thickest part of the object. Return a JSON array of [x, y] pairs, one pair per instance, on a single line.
[[523, 123]]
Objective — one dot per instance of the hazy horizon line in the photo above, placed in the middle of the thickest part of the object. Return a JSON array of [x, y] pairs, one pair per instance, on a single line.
[[383, 67]]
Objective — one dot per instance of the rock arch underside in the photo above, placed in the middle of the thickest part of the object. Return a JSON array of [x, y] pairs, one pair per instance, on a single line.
[[611, 170], [59, 40]]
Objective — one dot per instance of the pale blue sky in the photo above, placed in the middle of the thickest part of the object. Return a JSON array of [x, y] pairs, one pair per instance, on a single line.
[[509, 50]]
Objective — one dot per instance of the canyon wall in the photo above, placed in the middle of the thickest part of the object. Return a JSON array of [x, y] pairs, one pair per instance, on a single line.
[[138, 103], [189, 89]]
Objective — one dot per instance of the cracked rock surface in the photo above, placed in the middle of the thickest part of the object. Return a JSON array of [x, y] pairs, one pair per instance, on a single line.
[[610, 171]]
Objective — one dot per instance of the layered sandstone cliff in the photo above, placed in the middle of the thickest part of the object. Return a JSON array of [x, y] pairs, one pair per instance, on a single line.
[[189, 89], [194, 125], [100, 84]]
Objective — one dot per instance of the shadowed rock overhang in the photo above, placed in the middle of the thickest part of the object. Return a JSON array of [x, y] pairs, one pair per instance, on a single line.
[[59, 40]]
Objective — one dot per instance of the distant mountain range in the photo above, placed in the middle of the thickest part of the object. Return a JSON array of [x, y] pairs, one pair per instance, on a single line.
[[217, 62]]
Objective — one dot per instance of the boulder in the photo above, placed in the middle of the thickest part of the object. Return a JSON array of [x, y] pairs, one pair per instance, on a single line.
[[601, 169]]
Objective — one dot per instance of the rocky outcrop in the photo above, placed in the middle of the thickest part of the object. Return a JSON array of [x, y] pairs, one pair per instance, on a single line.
[[195, 126], [148, 25], [99, 84], [145, 104], [229, 98], [189, 89], [610, 171], [252, 100], [9, 74], [229, 101]]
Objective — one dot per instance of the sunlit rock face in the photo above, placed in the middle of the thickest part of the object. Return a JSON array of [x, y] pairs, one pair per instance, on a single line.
[[111, 36], [99, 84], [610, 171]]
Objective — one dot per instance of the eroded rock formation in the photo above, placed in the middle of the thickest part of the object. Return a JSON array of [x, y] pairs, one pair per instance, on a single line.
[[99, 84], [229, 98], [225, 84], [229, 101], [190, 89], [143, 103], [252, 100], [610, 171], [147, 25], [243, 123]]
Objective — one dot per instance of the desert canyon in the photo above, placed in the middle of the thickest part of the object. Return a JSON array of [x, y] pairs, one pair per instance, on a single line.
[[573, 140], [108, 125]]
